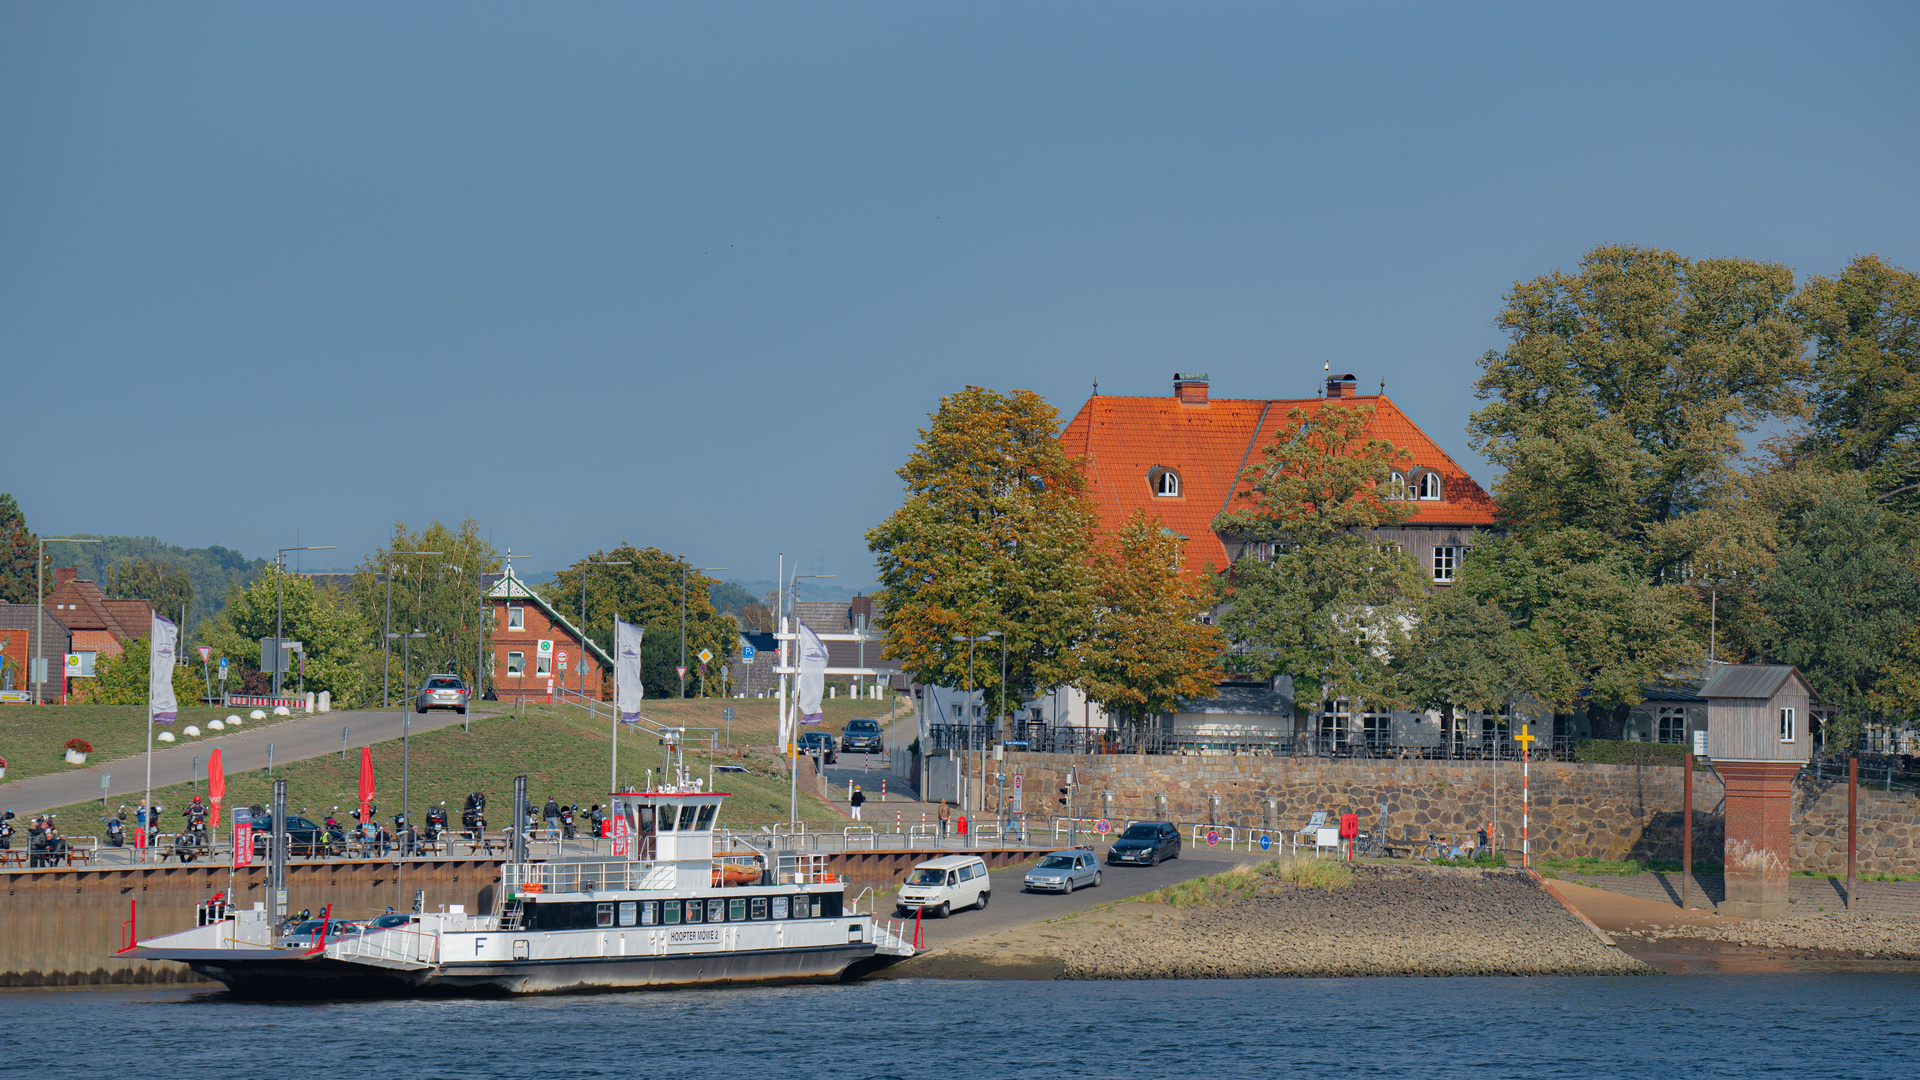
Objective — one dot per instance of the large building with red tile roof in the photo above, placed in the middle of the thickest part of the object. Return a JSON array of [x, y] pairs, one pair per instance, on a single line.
[[1183, 458], [100, 625]]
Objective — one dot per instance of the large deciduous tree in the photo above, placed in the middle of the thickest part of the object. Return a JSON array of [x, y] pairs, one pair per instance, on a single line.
[[342, 655], [438, 595], [1865, 324], [647, 591], [168, 587], [1464, 654], [1330, 605], [995, 533], [1149, 650]]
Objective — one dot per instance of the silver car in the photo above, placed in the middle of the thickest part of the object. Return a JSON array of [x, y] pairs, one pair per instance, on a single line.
[[1063, 872], [442, 692]]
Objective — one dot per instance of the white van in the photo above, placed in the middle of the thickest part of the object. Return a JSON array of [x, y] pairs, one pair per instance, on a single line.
[[939, 887]]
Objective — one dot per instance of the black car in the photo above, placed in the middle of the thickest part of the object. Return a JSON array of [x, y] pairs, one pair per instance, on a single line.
[[818, 742], [862, 736], [1145, 843], [304, 838]]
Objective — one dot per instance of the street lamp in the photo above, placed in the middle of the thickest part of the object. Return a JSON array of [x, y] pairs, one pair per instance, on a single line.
[[386, 656], [967, 731], [37, 672], [685, 573], [279, 595], [406, 756]]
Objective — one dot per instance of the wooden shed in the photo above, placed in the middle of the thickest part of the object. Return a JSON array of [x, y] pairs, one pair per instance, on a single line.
[[1758, 712]]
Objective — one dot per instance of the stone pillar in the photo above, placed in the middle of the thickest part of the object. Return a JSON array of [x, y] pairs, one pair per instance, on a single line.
[[1759, 798]]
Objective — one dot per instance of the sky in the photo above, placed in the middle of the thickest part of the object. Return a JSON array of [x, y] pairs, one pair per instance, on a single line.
[[693, 276]]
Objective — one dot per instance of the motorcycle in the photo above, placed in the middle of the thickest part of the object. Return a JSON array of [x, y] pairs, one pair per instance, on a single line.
[[116, 832], [566, 821], [436, 822]]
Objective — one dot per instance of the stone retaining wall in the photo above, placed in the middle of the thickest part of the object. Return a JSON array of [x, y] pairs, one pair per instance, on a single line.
[[1598, 811]]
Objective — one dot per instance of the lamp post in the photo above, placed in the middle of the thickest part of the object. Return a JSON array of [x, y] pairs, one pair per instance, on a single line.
[[685, 573], [406, 758], [39, 649], [279, 597], [970, 639], [386, 654]]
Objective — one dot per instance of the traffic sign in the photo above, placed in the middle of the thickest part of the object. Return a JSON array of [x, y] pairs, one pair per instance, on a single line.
[[563, 657], [206, 652], [746, 653], [1213, 838], [1265, 841], [727, 714], [705, 656], [1103, 827], [682, 669]]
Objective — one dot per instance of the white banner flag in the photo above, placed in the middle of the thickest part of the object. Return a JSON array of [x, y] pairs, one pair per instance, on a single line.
[[628, 691], [160, 703], [813, 675]]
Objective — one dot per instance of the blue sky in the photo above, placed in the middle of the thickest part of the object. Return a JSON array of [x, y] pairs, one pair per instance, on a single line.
[[693, 276]]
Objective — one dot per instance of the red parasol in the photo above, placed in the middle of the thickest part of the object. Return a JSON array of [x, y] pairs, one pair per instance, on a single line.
[[366, 783], [216, 792]]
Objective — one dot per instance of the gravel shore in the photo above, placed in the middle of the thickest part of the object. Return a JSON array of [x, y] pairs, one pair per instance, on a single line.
[[1389, 921], [1873, 936]]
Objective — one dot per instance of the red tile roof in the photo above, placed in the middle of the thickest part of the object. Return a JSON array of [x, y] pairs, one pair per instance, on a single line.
[[1209, 445]]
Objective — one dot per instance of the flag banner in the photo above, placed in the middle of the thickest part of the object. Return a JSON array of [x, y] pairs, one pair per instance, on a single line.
[[628, 691], [813, 675], [163, 642], [242, 836], [366, 786], [216, 791]]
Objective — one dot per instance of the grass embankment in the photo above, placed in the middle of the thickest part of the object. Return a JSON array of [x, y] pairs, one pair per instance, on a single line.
[[1324, 874], [33, 737], [564, 755]]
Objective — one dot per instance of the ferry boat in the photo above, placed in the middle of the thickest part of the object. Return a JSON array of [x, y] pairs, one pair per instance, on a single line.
[[667, 911]]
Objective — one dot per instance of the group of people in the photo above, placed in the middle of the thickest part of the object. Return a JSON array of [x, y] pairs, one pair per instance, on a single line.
[[45, 845]]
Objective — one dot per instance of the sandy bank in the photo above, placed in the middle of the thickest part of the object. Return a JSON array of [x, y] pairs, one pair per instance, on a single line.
[[1389, 921]]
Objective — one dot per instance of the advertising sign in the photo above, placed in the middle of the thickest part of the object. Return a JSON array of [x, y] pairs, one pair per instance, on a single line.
[[622, 843], [242, 836]]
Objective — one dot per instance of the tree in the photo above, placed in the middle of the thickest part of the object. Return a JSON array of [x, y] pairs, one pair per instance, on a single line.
[[123, 679], [1841, 602], [1623, 392], [647, 592], [165, 586], [1585, 612], [1331, 605], [1149, 649], [1464, 653], [732, 598], [439, 595], [995, 533], [341, 654], [1865, 325], [19, 553]]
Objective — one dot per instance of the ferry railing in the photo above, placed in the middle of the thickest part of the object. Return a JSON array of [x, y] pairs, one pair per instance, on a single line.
[[572, 876], [396, 943], [854, 909]]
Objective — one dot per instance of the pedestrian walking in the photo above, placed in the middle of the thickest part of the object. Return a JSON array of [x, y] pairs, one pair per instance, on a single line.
[[946, 819], [859, 799]]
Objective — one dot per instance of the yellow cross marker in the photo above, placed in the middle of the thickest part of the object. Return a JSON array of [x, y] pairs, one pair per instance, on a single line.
[[1523, 737]]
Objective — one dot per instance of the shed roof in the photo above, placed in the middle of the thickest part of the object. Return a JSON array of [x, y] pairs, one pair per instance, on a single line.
[[1749, 680]]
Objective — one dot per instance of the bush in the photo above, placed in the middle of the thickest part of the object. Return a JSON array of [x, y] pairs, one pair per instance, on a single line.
[[1315, 873], [80, 746], [1483, 859], [1621, 752]]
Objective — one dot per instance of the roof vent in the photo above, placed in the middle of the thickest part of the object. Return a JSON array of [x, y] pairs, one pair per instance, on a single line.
[[1190, 387], [1340, 386]]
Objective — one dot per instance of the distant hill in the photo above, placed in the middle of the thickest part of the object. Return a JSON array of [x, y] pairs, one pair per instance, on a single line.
[[807, 590], [212, 569]]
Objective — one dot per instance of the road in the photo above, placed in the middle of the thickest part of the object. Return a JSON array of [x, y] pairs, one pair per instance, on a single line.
[[292, 740], [1010, 907]]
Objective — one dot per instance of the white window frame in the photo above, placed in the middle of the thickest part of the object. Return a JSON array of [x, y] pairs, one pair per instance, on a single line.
[[1788, 726], [1397, 485], [1446, 562], [516, 664], [1166, 485], [516, 617], [543, 666], [1430, 479]]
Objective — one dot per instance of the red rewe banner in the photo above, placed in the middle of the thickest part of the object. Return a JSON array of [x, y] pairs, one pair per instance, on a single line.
[[622, 843]]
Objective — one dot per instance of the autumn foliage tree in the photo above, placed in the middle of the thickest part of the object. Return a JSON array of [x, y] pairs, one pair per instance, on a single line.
[[1149, 650], [995, 533]]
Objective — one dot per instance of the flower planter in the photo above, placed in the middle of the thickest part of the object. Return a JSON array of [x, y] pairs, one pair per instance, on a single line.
[[75, 757]]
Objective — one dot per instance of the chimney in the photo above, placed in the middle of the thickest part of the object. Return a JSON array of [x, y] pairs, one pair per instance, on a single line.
[[64, 574], [1190, 388], [1340, 386], [861, 613]]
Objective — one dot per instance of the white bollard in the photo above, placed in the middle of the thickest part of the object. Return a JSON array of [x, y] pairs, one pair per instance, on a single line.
[[312, 701], [326, 701]]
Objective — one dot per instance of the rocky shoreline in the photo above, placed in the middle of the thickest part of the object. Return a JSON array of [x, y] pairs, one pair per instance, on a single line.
[[1389, 920], [1833, 933]]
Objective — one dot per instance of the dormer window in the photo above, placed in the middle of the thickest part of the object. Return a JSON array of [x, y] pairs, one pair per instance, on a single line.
[[1396, 486], [1166, 483], [1430, 485]]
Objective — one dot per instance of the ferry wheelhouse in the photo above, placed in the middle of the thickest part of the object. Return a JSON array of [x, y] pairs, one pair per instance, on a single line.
[[666, 911]]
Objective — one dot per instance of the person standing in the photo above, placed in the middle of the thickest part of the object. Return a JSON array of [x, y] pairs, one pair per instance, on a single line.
[[859, 799], [946, 819], [552, 813]]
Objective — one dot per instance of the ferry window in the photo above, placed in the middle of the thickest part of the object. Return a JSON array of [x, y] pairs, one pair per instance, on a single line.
[[646, 819], [706, 816], [716, 910], [695, 909], [779, 907], [737, 910], [666, 818], [627, 913], [687, 814], [759, 907], [671, 909], [603, 914], [650, 913]]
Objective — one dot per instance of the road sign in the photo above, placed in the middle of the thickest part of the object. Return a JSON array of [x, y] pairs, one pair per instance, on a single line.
[[705, 656], [727, 714], [206, 652], [1524, 738], [682, 669], [562, 658], [1265, 841], [1213, 838], [1017, 777], [1103, 826], [746, 653]]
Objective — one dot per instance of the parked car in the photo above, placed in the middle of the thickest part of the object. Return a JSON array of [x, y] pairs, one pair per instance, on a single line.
[[1145, 843], [819, 742], [304, 838], [863, 736], [1063, 872], [389, 922], [442, 692], [307, 934], [941, 886]]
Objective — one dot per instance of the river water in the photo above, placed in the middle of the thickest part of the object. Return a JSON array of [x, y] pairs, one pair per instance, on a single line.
[[1710, 1025]]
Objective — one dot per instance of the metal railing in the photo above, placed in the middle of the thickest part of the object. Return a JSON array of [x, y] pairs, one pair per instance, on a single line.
[[394, 944], [1142, 739]]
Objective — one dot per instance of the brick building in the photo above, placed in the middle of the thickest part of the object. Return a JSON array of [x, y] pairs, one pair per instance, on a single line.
[[99, 625], [17, 626], [532, 642]]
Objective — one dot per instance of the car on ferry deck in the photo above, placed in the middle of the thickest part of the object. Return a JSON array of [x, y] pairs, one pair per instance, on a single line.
[[307, 934]]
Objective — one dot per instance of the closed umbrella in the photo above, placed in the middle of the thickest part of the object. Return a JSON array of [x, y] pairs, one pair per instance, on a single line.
[[216, 791], [366, 784]]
